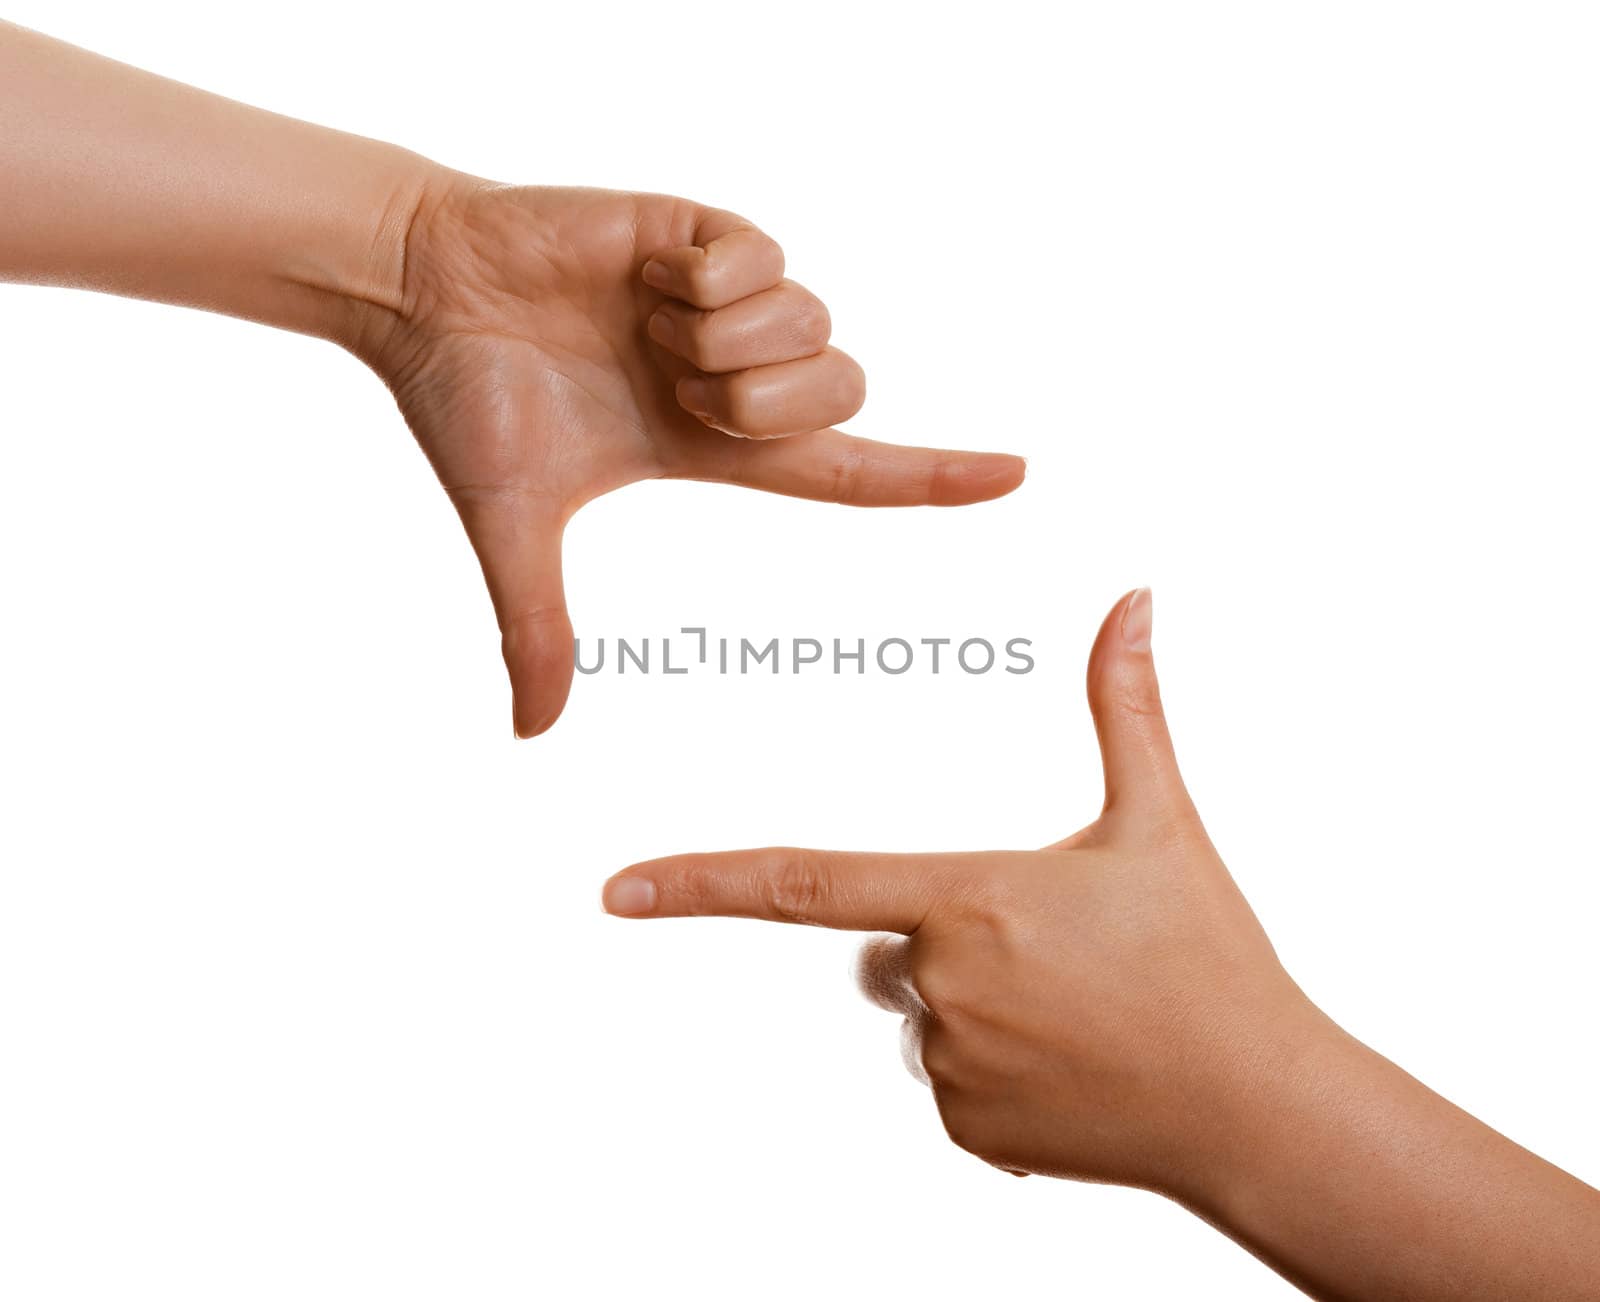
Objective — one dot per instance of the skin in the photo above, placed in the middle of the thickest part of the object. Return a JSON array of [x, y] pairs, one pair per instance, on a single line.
[[545, 345], [1109, 1009]]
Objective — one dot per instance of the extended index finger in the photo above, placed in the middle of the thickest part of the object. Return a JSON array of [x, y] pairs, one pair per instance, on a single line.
[[821, 888]]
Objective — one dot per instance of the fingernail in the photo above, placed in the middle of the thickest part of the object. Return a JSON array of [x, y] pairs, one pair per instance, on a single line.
[[693, 395], [661, 329], [657, 275], [1136, 620], [628, 897]]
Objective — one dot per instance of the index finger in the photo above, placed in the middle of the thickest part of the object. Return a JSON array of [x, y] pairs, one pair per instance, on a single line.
[[820, 888], [729, 260]]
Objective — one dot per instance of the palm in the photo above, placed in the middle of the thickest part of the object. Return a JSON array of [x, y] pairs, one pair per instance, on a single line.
[[536, 375], [527, 374]]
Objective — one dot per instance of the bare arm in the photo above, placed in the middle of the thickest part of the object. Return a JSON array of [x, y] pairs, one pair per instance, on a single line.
[[1109, 1009], [545, 344], [122, 181], [1355, 1180]]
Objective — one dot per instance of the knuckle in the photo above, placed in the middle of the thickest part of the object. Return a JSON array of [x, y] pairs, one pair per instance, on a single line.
[[700, 285], [849, 388], [770, 255], [911, 1051], [940, 989], [993, 895], [811, 325], [848, 477], [798, 890], [740, 406], [683, 888], [698, 273], [529, 620], [940, 1059], [991, 908], [1139, 694], [703, 344]]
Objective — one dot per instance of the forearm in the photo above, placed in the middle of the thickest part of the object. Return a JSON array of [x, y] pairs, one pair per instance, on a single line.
[[1356, 1181], [121, 181]]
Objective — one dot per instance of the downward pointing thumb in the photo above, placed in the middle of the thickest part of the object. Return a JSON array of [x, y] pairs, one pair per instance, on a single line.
[[537, 644], [518, 542], [1141, 770]]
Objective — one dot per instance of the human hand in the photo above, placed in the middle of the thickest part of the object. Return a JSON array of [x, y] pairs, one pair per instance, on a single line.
[[546, 345], [1099, 1009], [556, 344], [1109, 1009]]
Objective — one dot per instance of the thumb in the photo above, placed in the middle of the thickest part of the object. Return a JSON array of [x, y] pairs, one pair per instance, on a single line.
[[1140, 767], [518, 542]]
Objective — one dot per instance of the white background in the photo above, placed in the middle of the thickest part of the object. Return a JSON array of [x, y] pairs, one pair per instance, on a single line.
[[304, 989]]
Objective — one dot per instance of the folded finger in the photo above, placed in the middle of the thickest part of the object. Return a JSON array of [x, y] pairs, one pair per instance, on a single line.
[[883, 973], [776, 401], [730, 259], [913, 1036], [776, 325]]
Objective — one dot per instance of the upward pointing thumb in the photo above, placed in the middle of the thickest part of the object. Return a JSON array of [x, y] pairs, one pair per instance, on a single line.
[[1141, 770]]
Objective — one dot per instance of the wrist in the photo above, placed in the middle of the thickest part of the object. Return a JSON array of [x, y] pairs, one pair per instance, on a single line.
[[126, 183], [351, 264], [1293, 1063]]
